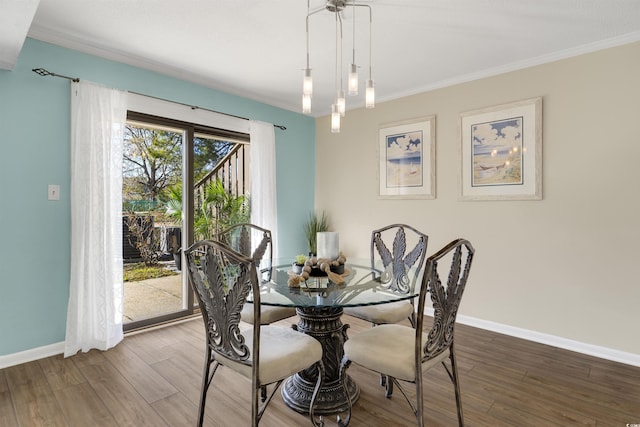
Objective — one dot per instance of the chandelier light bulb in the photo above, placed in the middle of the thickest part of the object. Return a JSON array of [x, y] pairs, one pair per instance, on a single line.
[[353, 80], [307, 83], [306, 104], [335, 119], [341, 102], [370, 95]]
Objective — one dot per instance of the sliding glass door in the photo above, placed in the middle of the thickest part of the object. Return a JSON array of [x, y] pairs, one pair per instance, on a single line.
[[163, 160]]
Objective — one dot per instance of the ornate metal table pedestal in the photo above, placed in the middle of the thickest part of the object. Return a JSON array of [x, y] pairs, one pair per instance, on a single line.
[[324, 324]]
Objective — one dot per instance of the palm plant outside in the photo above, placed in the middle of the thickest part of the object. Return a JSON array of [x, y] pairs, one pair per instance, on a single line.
[[219, 209]]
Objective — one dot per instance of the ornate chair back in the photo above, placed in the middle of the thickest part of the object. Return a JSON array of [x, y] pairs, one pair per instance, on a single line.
[[222, 279], [445, 295], [256, 243], [253, 242], [408, 248]]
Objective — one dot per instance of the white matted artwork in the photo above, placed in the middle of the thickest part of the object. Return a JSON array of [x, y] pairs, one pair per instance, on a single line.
[[407, 159], [501, 152]]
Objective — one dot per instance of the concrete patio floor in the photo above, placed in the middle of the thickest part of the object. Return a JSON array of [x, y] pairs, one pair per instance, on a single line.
[[152, 297]]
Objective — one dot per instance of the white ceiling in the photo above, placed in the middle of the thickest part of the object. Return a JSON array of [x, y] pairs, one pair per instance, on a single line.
[[15, 18], [256, 48]]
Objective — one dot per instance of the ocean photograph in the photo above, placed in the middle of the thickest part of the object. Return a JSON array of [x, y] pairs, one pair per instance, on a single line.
[[497, 152], [404, 160]]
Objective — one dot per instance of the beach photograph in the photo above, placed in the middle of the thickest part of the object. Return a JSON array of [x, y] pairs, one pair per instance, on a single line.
[[404, 160], [497, 152]]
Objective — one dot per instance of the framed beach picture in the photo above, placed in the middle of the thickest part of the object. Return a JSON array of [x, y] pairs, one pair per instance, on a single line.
[[407, 159], [501, 150]]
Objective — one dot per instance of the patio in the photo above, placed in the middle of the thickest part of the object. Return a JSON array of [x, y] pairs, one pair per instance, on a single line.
[[152, 297]]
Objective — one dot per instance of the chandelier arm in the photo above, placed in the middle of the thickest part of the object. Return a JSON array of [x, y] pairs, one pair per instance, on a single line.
[[370, 38], [336, 81], [307, 81], [354, 4], [313, 12], [340, 20], [354, 31], [308, 3]]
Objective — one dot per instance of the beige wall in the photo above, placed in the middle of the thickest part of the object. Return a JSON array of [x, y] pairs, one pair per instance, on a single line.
[[564, 266]]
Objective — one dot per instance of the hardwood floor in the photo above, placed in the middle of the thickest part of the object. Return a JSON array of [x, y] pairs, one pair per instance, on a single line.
[[153, 379]]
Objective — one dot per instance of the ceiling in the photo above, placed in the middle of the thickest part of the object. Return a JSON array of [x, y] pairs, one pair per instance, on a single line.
[[256, 48]]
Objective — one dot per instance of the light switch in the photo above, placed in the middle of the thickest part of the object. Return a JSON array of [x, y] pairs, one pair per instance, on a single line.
[[54, 192]]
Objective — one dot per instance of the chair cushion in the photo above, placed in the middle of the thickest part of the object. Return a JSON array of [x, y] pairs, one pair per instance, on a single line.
[[379, 314], [268, 313], [388, 349], [283, 352]]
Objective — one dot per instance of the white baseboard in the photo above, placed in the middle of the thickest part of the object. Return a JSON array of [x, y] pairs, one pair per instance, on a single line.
[[552, 340], [31, 355], [567, 344]]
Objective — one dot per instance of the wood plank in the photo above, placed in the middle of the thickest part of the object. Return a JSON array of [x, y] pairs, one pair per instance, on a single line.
[[32, 396], [516, 393], [83, 407], [605, 406], [61, 372], [177, 410], [147, 382], [514, 416], [149, 346], [617, 379], [7, 412], [126, 405]]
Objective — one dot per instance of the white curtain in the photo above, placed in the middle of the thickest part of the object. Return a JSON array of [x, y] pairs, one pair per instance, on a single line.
[[264, 204], [94, 314]]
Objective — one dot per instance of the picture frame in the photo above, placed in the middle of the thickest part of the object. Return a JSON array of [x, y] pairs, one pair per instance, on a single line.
[[501, 152], [406, 156]]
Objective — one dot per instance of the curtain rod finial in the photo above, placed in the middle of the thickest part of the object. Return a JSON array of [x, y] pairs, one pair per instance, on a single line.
[[42, 72]]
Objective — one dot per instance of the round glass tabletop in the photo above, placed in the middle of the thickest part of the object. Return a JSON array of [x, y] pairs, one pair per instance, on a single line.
[[363, 285]]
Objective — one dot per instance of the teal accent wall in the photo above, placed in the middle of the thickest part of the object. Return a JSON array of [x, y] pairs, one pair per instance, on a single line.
[[35, 152]]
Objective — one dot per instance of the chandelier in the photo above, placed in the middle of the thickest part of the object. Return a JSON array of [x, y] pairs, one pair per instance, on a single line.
[[339, 104]]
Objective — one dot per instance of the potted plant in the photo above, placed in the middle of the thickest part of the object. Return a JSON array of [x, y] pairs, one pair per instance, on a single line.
[[315, 223], [298, 265]]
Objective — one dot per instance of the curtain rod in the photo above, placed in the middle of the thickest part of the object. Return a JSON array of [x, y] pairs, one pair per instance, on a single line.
[[43, 72]]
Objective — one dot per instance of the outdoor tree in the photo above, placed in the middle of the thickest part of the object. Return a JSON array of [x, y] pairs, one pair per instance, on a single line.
[[207, 153], [152, 161]]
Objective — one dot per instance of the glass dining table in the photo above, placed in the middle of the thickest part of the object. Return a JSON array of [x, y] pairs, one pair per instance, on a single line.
[[319, 303]]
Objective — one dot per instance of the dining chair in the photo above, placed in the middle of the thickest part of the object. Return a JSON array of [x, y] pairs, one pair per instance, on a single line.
[[397, 263], [403, 353], [245, 238], [265, 354]]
